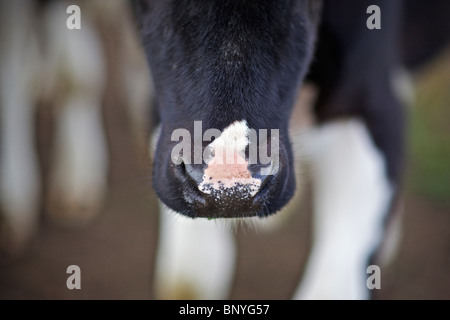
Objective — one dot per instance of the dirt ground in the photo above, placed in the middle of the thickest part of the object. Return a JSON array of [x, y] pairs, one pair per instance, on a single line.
[[116, 252]]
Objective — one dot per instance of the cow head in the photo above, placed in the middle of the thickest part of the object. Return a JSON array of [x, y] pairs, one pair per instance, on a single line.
[[226, 75]]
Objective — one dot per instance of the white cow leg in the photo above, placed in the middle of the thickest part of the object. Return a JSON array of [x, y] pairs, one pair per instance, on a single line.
[[78, 180], [78, 177], [351, 198], [195, 259], [19, 177]]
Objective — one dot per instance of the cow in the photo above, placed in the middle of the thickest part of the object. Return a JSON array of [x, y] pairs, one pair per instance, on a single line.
[[225, 72]]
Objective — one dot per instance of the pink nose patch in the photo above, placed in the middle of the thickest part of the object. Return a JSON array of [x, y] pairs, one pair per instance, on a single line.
[[232, 175], [236, 169]]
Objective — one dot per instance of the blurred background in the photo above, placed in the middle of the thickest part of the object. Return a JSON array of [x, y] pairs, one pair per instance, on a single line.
[[84, 95]]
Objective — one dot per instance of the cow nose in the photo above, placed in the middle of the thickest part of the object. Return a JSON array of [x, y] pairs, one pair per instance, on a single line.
[[226, 189]]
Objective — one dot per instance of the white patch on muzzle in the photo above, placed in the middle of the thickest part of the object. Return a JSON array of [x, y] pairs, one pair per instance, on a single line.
[[228, 169]]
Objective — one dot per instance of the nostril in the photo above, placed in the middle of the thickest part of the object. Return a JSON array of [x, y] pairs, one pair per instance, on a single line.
[[189, 175], [263, 171], [267, 175], [194, 172]]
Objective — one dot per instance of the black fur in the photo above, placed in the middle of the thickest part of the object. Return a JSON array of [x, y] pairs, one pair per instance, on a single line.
[[354, 67]]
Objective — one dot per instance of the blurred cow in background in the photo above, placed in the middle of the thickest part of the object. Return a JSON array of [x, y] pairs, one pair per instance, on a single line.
[[48, 69]]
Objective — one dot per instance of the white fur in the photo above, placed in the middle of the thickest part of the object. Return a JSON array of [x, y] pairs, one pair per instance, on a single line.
[[351, 197], [78, 181], [402, 86], [19, 177], [234, 137], [195, 258]]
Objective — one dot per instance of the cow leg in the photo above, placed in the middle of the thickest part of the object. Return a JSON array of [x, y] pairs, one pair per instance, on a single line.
[[195, 259], [356, 165], [78, 179], [352, 195], [19, 177]]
